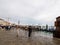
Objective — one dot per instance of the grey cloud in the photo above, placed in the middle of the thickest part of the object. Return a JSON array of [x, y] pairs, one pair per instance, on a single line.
[[30, 10]]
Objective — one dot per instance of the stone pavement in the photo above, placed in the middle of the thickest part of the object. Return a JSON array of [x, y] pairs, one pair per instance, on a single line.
[[9, 38]]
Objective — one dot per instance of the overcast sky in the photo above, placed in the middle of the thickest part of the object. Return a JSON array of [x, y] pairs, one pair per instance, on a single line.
[[30, 11]]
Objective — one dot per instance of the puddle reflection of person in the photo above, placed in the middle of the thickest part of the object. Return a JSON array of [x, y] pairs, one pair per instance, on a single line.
[[17, 31]]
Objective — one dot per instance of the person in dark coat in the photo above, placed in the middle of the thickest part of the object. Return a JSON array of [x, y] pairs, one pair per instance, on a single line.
[[29, 31], [6, 27]]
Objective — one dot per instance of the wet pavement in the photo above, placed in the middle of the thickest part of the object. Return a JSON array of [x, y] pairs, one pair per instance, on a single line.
[[37, 38]]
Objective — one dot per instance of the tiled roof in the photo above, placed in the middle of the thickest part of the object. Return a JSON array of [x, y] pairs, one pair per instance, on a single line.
[[58, 17], [1, 19]]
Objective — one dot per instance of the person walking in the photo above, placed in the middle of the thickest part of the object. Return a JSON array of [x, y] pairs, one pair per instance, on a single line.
[[29, 31]]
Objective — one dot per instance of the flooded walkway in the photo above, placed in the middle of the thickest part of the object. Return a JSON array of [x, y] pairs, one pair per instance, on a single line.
[[37, 38]]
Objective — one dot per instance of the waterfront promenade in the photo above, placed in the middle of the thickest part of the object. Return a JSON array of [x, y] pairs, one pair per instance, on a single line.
[[37, 38]]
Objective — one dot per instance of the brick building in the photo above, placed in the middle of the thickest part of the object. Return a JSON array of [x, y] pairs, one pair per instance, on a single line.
[[57, 25], [3, 22]]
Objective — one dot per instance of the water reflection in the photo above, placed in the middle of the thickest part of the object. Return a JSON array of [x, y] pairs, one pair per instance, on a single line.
[[37, 38], [43, 34], [36, 34]]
